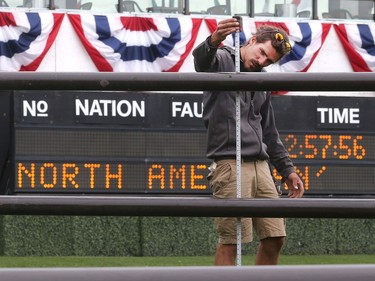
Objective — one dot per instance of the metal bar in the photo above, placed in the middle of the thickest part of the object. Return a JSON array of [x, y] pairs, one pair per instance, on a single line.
[[281, 273], [120, 7], [187, 7], [185, 206], [177, 81], [250, 10], [315, 15]]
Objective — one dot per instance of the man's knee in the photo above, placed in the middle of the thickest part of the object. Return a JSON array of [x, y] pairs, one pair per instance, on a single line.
[[272, 243], [227, 249]]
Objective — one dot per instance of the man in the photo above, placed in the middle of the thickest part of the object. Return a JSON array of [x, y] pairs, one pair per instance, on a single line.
[[259, 137]]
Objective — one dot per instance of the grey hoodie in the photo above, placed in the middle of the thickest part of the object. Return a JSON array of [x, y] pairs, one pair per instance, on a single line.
[[259, 136]]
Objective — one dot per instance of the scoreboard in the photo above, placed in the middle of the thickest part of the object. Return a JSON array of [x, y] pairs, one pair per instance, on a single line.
[[154, 143]]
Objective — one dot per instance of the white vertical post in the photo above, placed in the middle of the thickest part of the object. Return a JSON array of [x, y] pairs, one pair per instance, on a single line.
[[238, 147]]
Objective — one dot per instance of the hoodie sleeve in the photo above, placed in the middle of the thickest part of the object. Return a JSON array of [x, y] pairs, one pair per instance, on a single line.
[[279, 156], [205, 57]]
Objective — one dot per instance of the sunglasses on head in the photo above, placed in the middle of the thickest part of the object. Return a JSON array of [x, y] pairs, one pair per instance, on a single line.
[[280, 38]]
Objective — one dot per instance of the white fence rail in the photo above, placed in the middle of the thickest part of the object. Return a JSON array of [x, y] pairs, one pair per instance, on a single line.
[[281, 273]]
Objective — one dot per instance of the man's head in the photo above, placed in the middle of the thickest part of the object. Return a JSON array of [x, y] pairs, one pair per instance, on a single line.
[[278, 37], [267, 46]]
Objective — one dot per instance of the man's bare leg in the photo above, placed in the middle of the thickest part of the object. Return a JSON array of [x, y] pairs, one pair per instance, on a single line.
[[226, 254], [269, 251]]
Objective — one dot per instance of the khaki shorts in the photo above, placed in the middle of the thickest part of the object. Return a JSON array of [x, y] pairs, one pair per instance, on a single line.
[[256, 182]]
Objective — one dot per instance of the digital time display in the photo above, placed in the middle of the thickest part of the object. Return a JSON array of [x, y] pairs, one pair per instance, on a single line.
[[330, 146], [155, 143]]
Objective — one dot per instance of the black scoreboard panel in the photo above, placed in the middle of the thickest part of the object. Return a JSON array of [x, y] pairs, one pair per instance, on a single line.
[[137, 143], [111, 160]]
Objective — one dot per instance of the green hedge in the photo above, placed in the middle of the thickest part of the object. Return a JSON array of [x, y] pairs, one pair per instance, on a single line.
[[168, 236]]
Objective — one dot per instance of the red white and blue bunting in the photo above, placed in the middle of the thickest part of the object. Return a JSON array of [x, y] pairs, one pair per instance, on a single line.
[[153, 43], [25, 38], [140, 44], [359, 43]]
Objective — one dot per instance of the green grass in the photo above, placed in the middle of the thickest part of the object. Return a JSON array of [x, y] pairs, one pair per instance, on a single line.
[[170, 261]]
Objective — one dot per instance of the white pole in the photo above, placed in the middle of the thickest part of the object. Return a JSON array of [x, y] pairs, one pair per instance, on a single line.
[[238, 144]]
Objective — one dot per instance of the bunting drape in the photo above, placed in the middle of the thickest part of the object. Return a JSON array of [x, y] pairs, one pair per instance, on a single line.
[[154, 43]]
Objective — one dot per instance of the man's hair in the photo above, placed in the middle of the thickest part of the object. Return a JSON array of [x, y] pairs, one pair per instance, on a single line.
[[265, 33]]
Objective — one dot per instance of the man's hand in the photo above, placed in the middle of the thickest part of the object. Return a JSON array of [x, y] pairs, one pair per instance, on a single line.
[[224, 28], [295, 186]]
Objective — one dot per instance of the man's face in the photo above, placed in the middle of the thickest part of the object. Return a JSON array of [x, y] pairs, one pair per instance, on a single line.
[[255, 55]]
